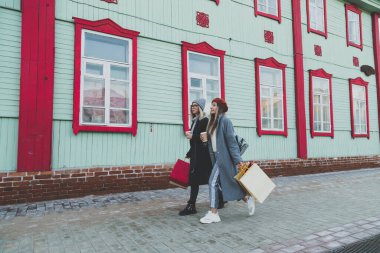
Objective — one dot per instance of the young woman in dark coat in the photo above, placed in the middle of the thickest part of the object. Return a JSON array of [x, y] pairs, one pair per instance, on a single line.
[[200, 162]]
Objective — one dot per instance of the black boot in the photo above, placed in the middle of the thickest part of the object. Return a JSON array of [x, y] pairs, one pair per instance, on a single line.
[[189, 209]]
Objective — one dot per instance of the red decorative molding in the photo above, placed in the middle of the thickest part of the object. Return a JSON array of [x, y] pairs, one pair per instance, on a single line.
[[269, 37], [36, 85], [359, 12], [317, 50], [299, 81], [203, 48], [322, 74], [376, 52], [355, 61], [361, 82], [106, 26], [278, 17], [110, 1], [203, 19], [216, 1], [309, 29], [271, 63]]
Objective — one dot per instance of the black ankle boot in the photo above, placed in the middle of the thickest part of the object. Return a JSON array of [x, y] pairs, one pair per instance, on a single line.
[[189, 209]]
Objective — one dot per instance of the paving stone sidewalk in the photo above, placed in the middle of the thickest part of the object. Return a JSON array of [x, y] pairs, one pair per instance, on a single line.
[[311, 213]]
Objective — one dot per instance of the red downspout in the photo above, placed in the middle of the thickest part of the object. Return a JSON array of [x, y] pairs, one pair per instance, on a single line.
[[36, 85], [299, 81], [376, 52]]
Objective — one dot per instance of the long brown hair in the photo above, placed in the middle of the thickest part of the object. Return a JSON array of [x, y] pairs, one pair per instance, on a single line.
[[214, 119]]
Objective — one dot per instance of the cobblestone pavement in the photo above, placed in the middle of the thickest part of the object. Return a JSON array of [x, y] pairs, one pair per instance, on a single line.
[[312, 213]]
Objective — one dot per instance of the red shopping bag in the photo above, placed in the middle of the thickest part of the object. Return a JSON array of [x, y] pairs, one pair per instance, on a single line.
[[180, 174]]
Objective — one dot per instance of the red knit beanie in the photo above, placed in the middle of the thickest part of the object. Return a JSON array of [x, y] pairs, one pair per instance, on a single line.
[[221, 104]]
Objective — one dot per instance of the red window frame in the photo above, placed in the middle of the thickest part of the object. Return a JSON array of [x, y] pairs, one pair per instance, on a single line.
[[322, 74], [106, 26], [309, 29], [270, 63], [359, 12], [278, 17], [203, 48], [358, 81]]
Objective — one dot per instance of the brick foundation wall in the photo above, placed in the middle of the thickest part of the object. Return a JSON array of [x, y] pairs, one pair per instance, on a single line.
[[21, 187]]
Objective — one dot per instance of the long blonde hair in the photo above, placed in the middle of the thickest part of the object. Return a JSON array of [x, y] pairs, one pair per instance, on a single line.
[[201, 115]]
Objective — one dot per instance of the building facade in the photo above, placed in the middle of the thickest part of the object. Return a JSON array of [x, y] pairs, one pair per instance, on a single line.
[[95, 94]]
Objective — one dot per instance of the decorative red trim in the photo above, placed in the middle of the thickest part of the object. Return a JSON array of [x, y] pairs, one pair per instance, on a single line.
[[309, 29], [110, 1], [355, 61], [203, 48], [361, 82], [278, 17], [106, 26], [203, 19], [268, 37], [217, 2], [322, 74], [376, 49], [359, 12], [299, 81], [270, 63], [317, 50], [36, 85]]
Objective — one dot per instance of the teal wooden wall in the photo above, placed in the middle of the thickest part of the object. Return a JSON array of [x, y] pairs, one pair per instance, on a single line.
[[10, 45], [337, 59]]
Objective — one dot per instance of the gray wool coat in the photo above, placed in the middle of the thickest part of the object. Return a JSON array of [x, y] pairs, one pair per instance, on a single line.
[[227, 157]]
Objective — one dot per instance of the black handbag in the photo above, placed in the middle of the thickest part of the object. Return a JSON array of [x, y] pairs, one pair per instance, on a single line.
[[243, 144]]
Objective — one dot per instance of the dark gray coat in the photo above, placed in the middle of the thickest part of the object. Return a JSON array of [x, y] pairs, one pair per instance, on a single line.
[[227, 157]]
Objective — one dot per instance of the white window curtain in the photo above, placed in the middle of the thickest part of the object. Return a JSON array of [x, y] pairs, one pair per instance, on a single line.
[[268, 6], [353, 27], [317, 15]]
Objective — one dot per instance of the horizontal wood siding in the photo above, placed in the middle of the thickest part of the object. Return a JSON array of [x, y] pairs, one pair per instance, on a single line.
[[10, 48], [8, 144], [11, 4]]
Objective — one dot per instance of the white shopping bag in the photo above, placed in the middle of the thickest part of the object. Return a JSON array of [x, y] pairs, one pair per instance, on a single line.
[[256, 183]]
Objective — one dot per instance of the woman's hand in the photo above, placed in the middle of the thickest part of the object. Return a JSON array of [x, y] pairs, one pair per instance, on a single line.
[[189, 135]]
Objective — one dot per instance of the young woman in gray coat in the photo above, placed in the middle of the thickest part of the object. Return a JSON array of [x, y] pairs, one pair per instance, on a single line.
[[225, 157]]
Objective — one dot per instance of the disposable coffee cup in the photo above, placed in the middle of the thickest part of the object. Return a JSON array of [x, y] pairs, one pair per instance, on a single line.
[[204, 136]]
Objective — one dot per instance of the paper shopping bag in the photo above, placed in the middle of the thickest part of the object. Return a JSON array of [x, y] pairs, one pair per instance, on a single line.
[[256, 183]]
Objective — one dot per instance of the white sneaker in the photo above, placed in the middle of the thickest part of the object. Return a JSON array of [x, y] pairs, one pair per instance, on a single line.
[[251, 205], [210, 218]]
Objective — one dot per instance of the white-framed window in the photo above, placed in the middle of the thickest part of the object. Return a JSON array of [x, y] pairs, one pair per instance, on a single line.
[[271, 98], [353, 27], [359, 109], [317, 15], [268, 6], [321, 105], [203, 78], [106, 80]]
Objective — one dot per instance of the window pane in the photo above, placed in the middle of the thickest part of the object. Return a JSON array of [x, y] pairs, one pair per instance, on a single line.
[[205, 65], [196, 83], [277, 108], [118, 72], [270, 77], [94, 69], [265, 91], [119, 117], [265, 123], [356, 112], [325, 100], [327, 127], [326, 113], [107, 48], [211, 96], [212, 85], [93, 91], [317, 99], [93, 115], [119, 94], [363, 113], [353, 27], [317, 126], [265, 108], [194, 94], [317, 113], [277, 124]]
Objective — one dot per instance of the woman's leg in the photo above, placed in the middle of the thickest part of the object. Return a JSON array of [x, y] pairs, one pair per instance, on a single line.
[[194, 190], [214, 189]]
